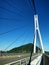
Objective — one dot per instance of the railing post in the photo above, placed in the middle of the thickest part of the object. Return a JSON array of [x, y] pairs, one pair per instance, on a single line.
[[26, 61], [20, 62]]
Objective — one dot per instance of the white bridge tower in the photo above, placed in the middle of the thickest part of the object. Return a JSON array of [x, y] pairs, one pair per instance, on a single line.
[[37, 30]]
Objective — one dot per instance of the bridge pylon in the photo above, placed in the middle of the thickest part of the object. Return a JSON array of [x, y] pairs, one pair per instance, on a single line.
[[37, 30]]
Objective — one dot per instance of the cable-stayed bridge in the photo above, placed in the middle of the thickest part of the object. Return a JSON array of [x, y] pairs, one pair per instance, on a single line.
[[33, 58]]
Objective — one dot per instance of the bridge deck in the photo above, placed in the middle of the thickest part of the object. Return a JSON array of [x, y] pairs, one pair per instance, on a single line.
[[12, 57], [24, 59]]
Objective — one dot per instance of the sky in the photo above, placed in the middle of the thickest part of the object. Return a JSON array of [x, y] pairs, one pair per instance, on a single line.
[[17, 23]]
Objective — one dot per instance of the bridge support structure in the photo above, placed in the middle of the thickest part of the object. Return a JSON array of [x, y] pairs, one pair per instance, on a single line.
[[37, 30]]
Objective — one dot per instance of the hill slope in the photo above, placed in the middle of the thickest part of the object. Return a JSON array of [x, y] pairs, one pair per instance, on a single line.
[[22, 49]]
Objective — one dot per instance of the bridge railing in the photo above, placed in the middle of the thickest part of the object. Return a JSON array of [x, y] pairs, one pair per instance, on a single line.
[[23, 61], [19, 62]]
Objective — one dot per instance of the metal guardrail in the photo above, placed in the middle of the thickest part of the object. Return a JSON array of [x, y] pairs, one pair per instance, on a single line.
[[23, 61]]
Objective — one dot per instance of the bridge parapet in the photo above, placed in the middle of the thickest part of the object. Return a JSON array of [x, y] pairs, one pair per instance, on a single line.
[[45, 59]]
